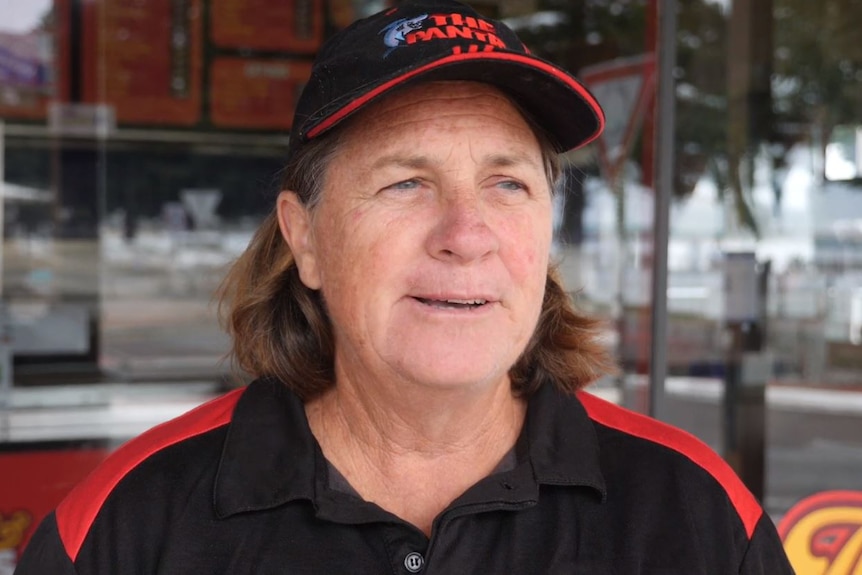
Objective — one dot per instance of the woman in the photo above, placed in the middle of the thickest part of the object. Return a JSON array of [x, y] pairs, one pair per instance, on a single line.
[[418, 364]]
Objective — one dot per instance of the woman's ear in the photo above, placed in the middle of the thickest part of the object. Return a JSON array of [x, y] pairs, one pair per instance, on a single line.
[[294, 220]]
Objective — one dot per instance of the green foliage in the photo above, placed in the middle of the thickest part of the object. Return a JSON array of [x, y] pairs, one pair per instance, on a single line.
[[589, 31], [818, 62], [810, 79]]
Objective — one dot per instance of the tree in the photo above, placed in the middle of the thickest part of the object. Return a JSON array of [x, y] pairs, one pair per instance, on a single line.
[[803, 60], [818, 65]]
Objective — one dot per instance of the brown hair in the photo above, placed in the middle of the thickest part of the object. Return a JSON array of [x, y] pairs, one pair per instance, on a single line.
[[280, 328]]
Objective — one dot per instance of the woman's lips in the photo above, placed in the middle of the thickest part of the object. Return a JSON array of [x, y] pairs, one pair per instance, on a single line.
[[453, 303]]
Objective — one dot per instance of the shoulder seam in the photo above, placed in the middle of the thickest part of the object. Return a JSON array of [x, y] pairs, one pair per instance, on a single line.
[[682, 442], [77, 512]]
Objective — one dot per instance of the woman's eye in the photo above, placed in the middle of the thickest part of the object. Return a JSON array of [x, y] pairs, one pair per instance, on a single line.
[[405, 185], [513, 185]]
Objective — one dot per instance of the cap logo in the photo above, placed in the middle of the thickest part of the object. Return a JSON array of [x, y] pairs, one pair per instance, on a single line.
[[393, 34], [407, 32]]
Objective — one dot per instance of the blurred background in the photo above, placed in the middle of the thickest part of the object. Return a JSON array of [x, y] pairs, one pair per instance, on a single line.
[[717, 225]]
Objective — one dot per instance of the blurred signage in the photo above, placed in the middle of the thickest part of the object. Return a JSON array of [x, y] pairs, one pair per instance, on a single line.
[[625, 88], [142, 63], [35, 479], [86, 120], [284, 26], [25, 61], [31, 73], [741, 295], [145, 58], [822, 534], [255, 93]]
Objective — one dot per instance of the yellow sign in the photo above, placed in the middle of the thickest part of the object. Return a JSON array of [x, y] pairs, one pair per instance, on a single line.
[[12, 529], [822, 534]]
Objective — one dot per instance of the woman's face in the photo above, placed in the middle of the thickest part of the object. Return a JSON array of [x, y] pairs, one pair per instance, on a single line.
[[431, 239]]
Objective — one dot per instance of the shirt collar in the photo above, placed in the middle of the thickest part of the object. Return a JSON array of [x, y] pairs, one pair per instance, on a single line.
[[562, 443], [270, 456]]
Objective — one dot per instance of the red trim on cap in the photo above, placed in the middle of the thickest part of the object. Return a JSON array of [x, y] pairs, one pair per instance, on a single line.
[[521, 59], [633, 423], [75, 515]]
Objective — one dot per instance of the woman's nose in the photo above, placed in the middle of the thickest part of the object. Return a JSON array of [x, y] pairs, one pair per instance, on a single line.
[[462, 232]]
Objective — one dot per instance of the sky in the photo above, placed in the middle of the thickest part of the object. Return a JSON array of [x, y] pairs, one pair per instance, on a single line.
[[21, 15]]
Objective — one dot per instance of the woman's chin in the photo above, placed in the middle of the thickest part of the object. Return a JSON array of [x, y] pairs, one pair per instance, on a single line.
[[448, 375]]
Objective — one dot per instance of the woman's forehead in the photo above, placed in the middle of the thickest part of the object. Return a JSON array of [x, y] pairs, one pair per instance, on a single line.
[[429, 93], [404, 115]]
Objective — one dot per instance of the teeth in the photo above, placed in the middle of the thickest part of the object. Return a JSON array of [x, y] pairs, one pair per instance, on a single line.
[[466, 301]]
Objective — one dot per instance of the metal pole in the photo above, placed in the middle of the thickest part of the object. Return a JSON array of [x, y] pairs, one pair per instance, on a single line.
[[619, 189], [665, 128], [2, 199], [5, 354]]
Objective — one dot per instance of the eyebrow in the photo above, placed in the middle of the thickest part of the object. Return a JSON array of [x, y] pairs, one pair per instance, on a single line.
[[513, 159], [401, 161]]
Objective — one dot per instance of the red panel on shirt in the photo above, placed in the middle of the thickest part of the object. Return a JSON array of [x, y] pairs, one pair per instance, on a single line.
[[650, 429], [77, 512]]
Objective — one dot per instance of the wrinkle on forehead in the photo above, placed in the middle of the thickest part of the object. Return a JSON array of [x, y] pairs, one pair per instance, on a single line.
[[433, 91], [405, 106], [441, 106]]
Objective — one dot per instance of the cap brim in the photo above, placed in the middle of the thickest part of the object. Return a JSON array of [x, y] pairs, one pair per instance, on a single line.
[[559, 103]]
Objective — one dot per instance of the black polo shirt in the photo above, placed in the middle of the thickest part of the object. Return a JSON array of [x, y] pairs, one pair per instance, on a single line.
[[240, 485]]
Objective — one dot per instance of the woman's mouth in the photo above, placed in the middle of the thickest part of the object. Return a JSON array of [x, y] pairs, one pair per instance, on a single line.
[[452, 303]]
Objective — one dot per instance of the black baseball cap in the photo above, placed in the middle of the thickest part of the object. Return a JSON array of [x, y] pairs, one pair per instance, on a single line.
[[427, 40]]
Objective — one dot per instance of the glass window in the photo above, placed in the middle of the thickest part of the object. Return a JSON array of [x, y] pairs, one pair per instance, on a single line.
[[140, 146]]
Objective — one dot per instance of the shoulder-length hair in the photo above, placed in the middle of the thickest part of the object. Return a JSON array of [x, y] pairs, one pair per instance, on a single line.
[[280, 328]]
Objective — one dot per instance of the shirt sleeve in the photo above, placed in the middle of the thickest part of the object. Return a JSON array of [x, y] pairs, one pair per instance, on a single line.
[[765, 554], [45, 552]]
